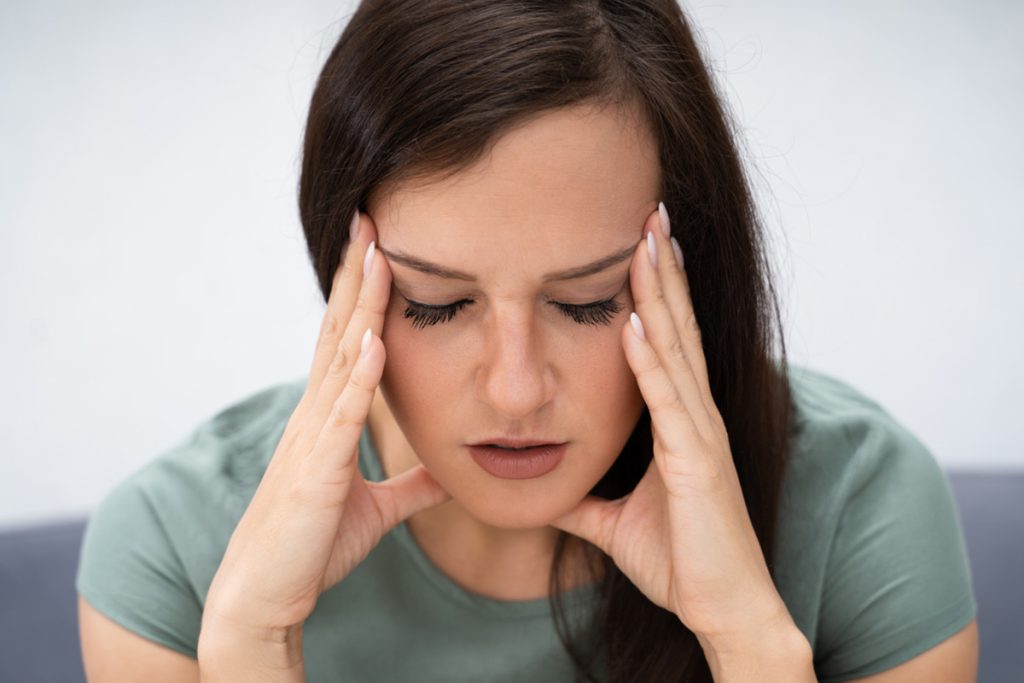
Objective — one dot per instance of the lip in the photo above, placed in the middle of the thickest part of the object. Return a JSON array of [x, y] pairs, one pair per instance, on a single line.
[[516, 443], [529, 464]]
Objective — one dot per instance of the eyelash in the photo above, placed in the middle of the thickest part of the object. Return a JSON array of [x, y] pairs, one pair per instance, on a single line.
[[596, 313]]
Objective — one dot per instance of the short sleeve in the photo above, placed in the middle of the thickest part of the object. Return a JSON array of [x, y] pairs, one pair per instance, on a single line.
[[130, 571], [898, 578]]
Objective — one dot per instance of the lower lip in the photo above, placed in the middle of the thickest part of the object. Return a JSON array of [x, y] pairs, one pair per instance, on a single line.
[[525, 464]]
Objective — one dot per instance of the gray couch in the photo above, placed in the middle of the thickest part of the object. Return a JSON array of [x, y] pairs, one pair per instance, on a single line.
[[39, 627]]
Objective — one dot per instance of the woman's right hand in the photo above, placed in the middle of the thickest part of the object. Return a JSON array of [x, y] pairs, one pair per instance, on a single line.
[[313, 518]]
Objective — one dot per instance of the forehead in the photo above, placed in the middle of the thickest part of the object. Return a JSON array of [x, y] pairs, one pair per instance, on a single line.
[[572, 181]]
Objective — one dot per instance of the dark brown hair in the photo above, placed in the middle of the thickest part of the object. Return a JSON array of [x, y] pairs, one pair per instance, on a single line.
[[421, 89]]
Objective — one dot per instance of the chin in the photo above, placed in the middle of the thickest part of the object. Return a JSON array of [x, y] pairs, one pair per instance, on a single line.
[[513, 508], [503, 518]]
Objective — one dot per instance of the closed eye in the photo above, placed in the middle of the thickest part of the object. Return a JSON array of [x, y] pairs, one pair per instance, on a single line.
[[595, 313]]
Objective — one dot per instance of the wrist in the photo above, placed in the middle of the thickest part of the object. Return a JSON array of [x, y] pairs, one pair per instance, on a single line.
[[775, 651], [232, 652]]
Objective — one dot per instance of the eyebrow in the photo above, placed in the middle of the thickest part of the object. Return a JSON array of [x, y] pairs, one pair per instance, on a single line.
[[452, 274]]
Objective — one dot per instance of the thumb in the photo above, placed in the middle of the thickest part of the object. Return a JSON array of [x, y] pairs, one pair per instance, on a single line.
[[406, 494], [593, 520]]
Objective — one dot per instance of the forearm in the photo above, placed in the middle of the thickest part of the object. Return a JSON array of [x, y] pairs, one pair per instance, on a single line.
[[227, 655]]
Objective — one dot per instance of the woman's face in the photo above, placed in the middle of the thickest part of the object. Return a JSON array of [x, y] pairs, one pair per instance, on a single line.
[[566, 190]]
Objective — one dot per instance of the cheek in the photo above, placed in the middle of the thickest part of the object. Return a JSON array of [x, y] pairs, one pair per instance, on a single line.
[[598, 362], [404, 358], [605, 388], [417, 371]]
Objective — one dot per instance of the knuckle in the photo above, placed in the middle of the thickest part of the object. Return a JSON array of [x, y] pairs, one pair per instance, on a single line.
[[692, 327], [659, 294], [342, 416], [294, 489], [708, 472], [361, 305], [697, 472], [340, 363], [673, 263], [723, 433], [649, 365], [677, 349], [348, 261], [329, 327], [290, 438], [672, 401], [359, 382], [340, 284], [387, 508], [668, 401]]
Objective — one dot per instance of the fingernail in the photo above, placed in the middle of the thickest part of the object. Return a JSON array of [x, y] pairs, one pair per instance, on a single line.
[[365, 343], [638, 326], [652, 249], [666, 225], [368, 261], [353, 227], [679, 252]]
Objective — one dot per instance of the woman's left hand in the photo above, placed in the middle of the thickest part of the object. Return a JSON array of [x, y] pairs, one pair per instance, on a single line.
[[683, 536]]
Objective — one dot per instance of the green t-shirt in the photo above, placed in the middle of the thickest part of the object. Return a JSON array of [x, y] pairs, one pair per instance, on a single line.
[[870, 556]]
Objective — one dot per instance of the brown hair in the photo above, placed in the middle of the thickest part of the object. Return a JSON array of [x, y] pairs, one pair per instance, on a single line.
[[421, 89]]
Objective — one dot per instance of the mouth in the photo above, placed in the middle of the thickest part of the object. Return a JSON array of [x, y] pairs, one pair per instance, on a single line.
[[517, 444], [507, 461]]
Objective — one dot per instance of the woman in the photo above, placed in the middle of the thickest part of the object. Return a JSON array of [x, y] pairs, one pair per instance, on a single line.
[[546, 374]]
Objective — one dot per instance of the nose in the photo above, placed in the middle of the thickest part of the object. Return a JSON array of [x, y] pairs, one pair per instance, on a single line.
[[514, 377]]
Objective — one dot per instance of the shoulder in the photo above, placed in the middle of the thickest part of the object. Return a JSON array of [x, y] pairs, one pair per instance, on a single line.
[[153, 543], [203, 484], [870, 556], [846, 443], [221, 461]]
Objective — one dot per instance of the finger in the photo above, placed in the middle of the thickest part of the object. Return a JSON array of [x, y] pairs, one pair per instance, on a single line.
[[661, 328], [368, 312], [405, 494], [330, 462], [344, 290], [673, 426], [676, 286]]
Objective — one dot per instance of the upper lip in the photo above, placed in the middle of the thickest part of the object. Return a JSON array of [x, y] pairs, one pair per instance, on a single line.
[[516, 443]]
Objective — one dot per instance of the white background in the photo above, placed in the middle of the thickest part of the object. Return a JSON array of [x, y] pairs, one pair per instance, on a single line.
[[153, 271]]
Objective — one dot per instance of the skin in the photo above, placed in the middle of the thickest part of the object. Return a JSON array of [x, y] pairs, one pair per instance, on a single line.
[[569, 188]]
